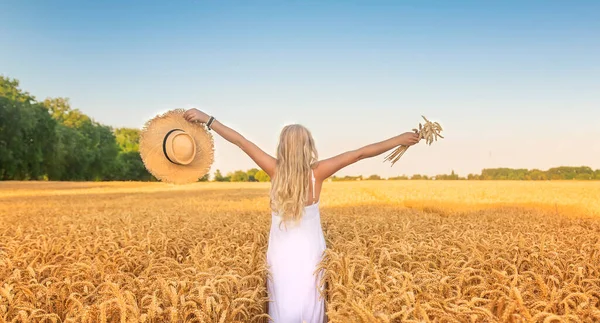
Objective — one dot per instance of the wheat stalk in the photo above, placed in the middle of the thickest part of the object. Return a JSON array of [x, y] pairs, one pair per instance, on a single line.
[[430, 131]]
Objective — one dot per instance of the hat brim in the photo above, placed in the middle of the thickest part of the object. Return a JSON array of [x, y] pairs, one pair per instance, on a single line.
[[151, 148]]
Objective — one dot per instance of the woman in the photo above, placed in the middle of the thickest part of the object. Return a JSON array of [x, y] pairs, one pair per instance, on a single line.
[[296, 241]]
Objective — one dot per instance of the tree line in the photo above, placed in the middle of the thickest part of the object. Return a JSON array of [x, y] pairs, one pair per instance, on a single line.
[[50, 140], [556, 173]]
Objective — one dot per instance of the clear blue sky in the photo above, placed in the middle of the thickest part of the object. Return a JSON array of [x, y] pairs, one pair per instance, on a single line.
[[515, 83]]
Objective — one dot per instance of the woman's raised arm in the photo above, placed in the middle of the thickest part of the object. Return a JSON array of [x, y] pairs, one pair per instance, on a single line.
[[332, 165], [265, 161]]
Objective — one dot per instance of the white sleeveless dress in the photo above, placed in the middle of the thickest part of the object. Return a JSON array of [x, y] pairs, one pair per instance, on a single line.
[[293, 255]]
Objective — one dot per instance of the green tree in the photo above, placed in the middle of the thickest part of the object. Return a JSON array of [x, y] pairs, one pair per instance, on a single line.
[[238, 176], [128, 139], [129, 166], [473, 177], [60, 109], [9, 88], [495, 173], [584, 176], [27, 134], [73, 152], [452, 176], [129, 160], [537, 175], [106, 151], [374, 178], [252, 174], [518, 174], [219, 177], [70, 155], [38, 139], [347, 178], [90, 150], [570, 173], [419, 176], [262, 176]]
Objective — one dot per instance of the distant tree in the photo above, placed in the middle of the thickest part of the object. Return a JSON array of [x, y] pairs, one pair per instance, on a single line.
[[128, 139], [346, 178], [9, 88], [219, 177], [129, 166], [495, 173], [582, 177], [262, 176], [374, 178], [452, 176], [27, 134], [473, 177], [518, 174], [59, 108], [204, 178], [398, 178], [556, 173], [563, 172], [252, 174], [537, 175], [238, 176], [106, 151], [88, 149], [419, 176]]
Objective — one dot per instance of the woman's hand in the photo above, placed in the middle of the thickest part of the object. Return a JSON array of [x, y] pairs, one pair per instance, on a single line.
[[409, 138], [192, 115]]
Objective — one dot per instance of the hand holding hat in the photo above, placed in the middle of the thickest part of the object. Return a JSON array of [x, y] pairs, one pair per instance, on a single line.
[[195, 115], [176, 150]]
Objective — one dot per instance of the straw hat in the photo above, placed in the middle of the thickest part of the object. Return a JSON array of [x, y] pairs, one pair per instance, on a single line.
[[175, 150]]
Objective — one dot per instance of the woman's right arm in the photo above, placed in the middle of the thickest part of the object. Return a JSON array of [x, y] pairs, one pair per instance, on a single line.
[[265, 161], [332, 165]]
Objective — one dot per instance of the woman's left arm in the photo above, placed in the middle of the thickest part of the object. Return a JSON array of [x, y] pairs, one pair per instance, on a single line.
[[262, 159]]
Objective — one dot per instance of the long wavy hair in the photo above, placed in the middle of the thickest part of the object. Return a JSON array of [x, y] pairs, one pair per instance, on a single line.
[[296, 156]]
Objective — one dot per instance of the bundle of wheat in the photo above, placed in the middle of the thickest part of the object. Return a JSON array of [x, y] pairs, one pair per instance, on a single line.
[[430, 131]]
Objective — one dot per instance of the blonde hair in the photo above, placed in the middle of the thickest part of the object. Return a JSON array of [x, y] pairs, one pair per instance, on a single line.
[[296, 156]]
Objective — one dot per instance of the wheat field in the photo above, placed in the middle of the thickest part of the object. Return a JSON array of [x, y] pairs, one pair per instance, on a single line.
[[397, 251]]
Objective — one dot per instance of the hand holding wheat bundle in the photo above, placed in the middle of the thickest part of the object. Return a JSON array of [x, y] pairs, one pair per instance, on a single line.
[[430, 131]]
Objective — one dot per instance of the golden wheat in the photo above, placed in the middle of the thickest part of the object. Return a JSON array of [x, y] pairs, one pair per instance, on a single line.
[[406, 251], [430, 131]]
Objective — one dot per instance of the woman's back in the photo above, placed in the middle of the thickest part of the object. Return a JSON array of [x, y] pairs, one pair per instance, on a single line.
[[294, 252]]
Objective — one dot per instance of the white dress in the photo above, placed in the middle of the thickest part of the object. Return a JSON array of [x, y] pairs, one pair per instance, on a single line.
[[293, 255]]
